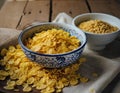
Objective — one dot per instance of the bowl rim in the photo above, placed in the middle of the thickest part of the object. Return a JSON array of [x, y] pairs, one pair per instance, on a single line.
[[52, 55], [103, 14]]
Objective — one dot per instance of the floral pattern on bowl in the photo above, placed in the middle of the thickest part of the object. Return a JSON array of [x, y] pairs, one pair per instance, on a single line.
[[53, 60]]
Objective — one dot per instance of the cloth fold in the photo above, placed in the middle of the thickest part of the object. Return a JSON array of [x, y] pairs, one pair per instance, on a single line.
[[63, 18], [8, 36]]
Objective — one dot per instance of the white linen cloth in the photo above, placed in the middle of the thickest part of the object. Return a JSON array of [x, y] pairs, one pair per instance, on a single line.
[[106, 68]]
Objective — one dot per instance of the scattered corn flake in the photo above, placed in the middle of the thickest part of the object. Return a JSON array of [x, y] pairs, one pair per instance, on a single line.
[[29, 74], [30, 80], [3, 73], [3, 52], [94, 74], [92, 90], [58, 90], [84, 79], [16, 90], [27, 88], [11, 49], [48, 90], [9, 87], [59, 85], [2, 77], [73, 82], [11, 83]]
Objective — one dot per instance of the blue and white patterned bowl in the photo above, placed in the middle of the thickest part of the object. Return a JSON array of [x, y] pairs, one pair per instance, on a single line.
[[53, 60], [98, 41]]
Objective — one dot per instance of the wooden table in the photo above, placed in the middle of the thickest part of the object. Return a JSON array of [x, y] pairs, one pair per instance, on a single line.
[[19, 13]]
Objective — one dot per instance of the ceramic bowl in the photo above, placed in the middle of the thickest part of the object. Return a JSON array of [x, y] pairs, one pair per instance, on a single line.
[[53, 60], [98, 41]]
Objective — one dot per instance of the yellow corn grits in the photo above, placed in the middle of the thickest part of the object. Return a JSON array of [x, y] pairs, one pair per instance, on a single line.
[[97, 26]]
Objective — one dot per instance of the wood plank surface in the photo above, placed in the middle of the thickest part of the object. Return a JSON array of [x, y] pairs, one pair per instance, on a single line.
[[10, 14], [105, 6], [35, 11], [71, 7]]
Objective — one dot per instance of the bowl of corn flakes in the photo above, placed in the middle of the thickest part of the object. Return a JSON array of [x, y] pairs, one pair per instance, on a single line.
[[52, 45], [100, 29]]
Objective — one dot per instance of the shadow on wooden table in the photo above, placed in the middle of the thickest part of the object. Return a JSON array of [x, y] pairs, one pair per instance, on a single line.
[[112, 50], [1, 3], [112, 86]]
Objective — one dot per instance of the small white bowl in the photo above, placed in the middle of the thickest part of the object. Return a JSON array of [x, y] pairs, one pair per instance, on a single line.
[[98, 41]]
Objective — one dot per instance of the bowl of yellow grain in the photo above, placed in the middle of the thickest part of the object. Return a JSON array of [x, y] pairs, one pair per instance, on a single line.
[[100, 29], [52, 45]]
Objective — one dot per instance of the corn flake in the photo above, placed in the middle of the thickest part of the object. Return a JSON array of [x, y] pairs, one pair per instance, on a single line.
[[53, 42], [29, 75]]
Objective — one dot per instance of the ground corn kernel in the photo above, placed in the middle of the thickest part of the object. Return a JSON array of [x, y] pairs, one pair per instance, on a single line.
[[97, 26]]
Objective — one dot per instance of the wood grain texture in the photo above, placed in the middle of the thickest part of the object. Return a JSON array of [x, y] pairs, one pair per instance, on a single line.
[[71, 7], [10, 14], [105, 6], [35, 11]]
